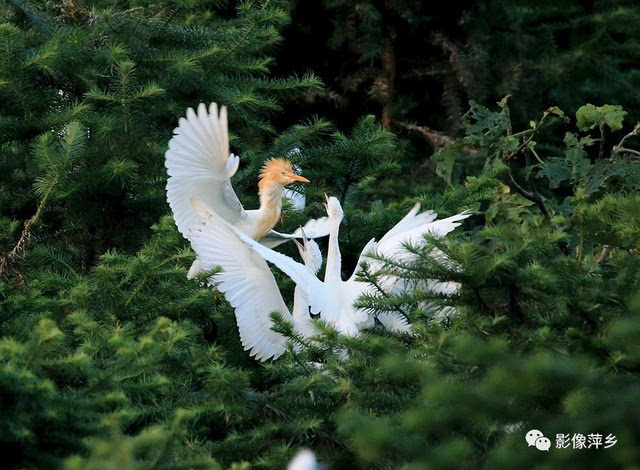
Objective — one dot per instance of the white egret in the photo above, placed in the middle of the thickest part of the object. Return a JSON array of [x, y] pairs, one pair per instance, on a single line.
[[199, 165], [250, 287], [410, 230], [312, 258]]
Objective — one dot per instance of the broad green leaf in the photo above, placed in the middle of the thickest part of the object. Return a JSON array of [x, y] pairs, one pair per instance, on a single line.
[[555, 110], [445, 160], [556, 171], [485, 125], [590, 116], [613, 116], [587, 117], [579, 163]]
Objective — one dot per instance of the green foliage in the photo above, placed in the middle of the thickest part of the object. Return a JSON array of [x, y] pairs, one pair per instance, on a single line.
[[111, 358], [590, 116], [547, 287], [123, 75], [417, 68]]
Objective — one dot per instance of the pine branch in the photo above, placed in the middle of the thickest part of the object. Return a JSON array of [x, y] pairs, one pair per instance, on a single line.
[[435, 138], [531, 196], [20, 246]]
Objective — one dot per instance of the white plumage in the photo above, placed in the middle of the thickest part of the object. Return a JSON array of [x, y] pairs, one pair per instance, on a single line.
[[251, 289], [200, 166], [303, 460], [411, 230], [245, 280]]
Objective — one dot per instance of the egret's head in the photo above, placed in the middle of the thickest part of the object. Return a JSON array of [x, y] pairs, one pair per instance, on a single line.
[[310, 253], [280, 171], [334, 209]]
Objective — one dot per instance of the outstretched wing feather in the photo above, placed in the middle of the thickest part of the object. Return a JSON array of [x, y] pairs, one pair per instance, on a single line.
[[246, 282], [199, 166]]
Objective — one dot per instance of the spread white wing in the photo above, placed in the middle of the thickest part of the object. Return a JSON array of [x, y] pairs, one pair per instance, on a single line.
[[410, 221], [245, 280], [392, 244], [411, 230], [304, 277], [394, 247], [200, 166]]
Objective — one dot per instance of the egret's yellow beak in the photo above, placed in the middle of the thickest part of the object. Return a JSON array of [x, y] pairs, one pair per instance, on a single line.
[[295, 177]]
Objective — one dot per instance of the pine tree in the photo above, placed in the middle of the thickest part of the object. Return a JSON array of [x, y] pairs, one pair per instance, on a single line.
[[97, 316], [543, 338], [125, 75], [415, 65], [111, 358]]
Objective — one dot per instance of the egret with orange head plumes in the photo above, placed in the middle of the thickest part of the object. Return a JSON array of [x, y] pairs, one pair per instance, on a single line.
[[200, 166], [274, 176]]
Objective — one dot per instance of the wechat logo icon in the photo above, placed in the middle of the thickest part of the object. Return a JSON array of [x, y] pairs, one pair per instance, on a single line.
[[537, 439]]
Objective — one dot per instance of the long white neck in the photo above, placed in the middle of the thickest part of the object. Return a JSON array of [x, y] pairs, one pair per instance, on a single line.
[[334, 259], [301, 319], [300, 310]]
